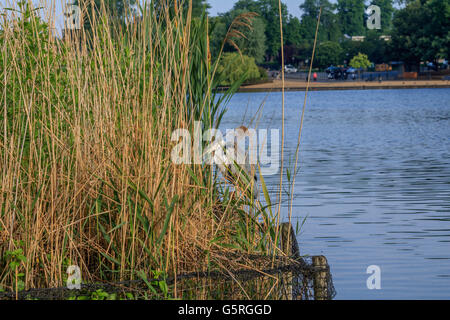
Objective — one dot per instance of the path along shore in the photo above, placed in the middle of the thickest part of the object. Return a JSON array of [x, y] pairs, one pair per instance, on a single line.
[[300, 85]]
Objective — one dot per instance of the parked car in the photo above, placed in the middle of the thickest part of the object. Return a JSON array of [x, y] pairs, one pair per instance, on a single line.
[[331, 69], [432, 66], [336, 73], [290, 68]]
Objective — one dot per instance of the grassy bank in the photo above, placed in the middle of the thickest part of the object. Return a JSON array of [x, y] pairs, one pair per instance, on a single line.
[[85, 153]]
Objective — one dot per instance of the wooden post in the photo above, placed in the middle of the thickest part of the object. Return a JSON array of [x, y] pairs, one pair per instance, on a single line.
[[289, 243], [320, 278], [290, 247]]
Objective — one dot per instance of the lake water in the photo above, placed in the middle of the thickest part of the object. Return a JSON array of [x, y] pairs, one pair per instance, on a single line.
[[374, 184]]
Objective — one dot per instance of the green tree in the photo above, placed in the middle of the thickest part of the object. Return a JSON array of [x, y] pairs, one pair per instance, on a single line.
[[198, 7], [311, 7], [234, 67], [421, 32], [217, 34], [254, 44], [329, 29], [438, 11], [250, 5], [117, 10], [294, 32], [268, 10], [351, 16], [359, 61], [403, 2], [375, 48], [328, 53], [251, 40]]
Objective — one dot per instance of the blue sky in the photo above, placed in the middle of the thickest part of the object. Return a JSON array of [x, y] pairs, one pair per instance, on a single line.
[[219, 6]]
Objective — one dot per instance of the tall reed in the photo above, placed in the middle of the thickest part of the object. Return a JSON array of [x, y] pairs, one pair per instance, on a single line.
[[86, 174]]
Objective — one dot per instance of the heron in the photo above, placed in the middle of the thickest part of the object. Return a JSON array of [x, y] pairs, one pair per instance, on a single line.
[[225, 156]]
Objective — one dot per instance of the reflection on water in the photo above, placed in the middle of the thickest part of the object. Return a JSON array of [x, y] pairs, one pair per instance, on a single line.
[[374, 184]]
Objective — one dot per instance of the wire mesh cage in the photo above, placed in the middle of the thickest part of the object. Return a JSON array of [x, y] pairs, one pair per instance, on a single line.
[[271, 278]]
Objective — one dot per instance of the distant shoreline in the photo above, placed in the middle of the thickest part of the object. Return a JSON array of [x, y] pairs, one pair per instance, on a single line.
[[300, 85]]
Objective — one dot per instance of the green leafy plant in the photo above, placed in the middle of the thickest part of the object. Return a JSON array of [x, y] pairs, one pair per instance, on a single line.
[[157, 285], [15, 259]]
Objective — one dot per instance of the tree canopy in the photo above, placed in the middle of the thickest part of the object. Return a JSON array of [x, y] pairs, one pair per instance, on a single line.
[[328, 53], [421, 32], [329, 29], [118, 10], [351, 16], [251, 39], [419, 29]]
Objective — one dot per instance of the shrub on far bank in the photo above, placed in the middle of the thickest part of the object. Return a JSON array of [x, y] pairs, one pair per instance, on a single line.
[[263, 75], [328, 53], [234, 67], [360, 61]]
